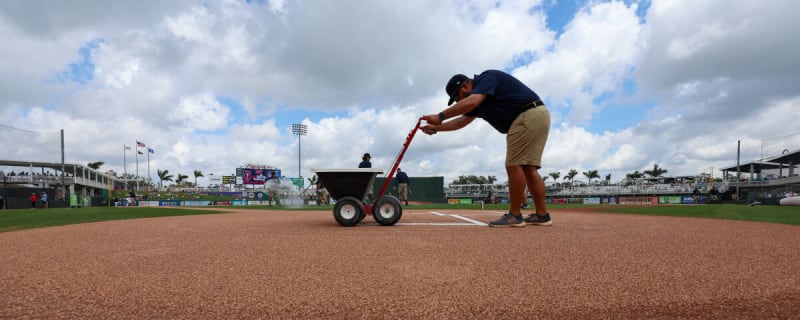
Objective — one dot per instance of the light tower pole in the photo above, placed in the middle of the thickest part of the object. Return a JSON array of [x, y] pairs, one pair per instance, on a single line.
[[299, 130]]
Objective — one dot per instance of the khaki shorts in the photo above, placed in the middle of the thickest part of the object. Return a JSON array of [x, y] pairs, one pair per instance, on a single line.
[[526, 138], [402, 190]]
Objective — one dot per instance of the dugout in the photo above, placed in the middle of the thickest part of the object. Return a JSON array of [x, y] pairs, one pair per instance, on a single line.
[[423, 189]]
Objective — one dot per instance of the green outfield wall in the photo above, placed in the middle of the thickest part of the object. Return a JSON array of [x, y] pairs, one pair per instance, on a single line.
[[423, 189]]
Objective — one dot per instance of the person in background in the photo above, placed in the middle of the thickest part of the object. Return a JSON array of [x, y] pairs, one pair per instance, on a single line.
[[402, 185], [34, 199], [273, 184], [44, 200], [714, 194], [322, 194], [365, 163]]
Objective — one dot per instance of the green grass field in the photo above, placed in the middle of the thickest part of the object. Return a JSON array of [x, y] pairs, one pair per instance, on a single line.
[[27, 219], [773, 214]]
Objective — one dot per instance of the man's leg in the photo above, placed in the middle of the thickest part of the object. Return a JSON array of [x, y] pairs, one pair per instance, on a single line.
[[516, 188], [516, 191], [536, 187]]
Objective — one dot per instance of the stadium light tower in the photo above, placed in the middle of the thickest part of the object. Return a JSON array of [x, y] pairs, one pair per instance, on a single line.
[[299, 130]]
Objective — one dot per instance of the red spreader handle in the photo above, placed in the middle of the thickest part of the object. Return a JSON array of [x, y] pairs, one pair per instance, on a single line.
[[399, 158]]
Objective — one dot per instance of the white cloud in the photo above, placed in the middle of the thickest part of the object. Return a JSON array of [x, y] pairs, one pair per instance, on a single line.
[[202, 113], [710, 73], [595, 54]]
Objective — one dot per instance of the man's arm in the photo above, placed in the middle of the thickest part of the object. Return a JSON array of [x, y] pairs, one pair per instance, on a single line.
[[451, 125], [464, 106]]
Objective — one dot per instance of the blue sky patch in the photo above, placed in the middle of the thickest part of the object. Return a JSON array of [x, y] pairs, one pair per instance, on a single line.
[[82, 71]]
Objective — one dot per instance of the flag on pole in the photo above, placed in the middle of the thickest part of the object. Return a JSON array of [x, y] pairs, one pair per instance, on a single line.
[[151, 150], [126, 147], [139, 144]]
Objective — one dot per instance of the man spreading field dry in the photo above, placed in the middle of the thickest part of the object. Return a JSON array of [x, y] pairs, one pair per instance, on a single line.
[[512, 109]]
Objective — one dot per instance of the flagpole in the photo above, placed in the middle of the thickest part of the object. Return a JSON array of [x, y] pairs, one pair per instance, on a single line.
[[137, 164], [148, 164], [125, 164]]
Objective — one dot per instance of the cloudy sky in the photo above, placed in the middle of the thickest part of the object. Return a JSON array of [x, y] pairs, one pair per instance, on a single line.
[[212, 85]]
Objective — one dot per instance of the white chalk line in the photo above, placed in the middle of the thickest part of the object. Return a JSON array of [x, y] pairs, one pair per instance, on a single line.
[[469, 222]]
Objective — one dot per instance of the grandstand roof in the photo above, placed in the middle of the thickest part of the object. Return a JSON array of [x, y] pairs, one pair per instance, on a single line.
[[758, 166], [68, 167], [789, 157]]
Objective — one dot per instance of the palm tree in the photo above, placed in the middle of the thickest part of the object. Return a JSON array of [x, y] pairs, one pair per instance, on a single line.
[[571, 176], [555, 175], [197, 174], [163, 175], [632, 177], [181, 179], [656, 172], [95, 165], [591, 174]]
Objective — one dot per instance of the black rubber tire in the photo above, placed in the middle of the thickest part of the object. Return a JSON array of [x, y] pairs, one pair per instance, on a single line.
[[348, 211], [387, 210]]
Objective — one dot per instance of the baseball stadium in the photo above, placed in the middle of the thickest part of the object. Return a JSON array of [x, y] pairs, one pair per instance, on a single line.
[[261, 245], [251, 159]]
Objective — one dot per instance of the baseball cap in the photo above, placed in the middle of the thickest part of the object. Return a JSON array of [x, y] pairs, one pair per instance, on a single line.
[[453, 86], [366, 155]]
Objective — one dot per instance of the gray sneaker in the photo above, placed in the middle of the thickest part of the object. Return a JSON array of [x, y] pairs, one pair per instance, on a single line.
[[508, 220], [539, 220]]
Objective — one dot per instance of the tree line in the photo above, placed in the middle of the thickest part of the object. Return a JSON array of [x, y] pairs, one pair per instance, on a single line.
[[570, 176]]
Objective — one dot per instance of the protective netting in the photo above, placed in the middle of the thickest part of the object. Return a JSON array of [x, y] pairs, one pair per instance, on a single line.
[[772, 147], [23, 145]]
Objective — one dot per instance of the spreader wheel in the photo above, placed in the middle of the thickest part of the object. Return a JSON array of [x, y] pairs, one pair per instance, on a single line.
[[348, 211], [387, 210]]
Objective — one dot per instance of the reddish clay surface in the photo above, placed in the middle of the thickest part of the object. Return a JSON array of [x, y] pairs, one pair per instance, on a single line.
[[291, 264]]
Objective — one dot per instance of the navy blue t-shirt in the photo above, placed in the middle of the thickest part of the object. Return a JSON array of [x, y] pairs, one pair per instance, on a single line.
[[505, 95], [402, 177]]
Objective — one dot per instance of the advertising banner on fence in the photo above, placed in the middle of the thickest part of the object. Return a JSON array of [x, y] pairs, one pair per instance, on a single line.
[[591, 200], [148, 203], [669, 200], [638, 200], [574, 200], [687, 200], [169, 203], [195, 203], [610, 200]]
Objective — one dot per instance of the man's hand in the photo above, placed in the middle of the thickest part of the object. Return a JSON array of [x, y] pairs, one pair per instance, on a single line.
[[432, 119], [429, 129]]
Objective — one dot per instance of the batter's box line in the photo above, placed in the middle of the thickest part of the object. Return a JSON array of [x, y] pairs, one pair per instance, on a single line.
[[471, 222]]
